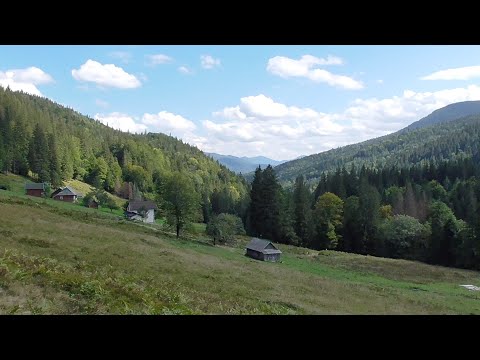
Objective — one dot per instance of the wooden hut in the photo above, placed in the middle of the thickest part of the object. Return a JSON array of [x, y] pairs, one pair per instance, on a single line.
[[35, 189], [263, 250]]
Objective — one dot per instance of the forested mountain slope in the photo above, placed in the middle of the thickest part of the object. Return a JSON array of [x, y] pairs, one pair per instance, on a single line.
[[404, 148], [49, 142], [448, 113]]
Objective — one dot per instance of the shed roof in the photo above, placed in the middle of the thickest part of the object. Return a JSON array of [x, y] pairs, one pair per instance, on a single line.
[[66, 191], [136, 205], [260, 245], [35, 186]]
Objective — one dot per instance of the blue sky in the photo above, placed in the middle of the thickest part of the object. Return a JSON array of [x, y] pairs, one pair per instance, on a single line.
[[276, 101]]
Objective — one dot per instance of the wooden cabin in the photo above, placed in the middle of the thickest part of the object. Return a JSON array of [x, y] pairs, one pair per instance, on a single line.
[[262, 250], [35, 189]]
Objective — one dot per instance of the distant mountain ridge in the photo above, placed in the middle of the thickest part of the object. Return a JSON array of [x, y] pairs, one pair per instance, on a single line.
[[448, 113], [244, 164]]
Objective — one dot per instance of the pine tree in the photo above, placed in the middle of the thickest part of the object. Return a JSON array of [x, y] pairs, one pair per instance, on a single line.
[[39, 155], [301, 213]]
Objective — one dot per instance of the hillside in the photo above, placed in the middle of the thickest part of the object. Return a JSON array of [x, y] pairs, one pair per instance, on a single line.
[[48, 142], [443, 141], [244, 164], [448, 113], [59, 258]]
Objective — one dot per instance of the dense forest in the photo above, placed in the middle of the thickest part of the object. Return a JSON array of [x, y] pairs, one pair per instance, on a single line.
[[51, 143], [445, 140], [413, 195]]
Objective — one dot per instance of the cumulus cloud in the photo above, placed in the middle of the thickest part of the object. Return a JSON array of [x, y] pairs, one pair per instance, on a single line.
[[25, 79], [163, 121], [107, 75], [167, 122], [307, 67], [462, 73], [263, 126], [209, 62], [158, 59], [121, 122], [185, 70]]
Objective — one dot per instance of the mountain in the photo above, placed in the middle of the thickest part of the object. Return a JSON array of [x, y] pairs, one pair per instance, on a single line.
[[53, 143], [448, 113], [441, 135], [244, 164]]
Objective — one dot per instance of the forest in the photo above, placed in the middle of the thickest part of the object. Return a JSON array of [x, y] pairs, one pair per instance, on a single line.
[[407, 147], [412, 195]]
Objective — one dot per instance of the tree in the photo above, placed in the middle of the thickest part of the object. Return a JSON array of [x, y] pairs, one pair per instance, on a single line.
[[328, 217], [181, 201], [301, 212], [90, 196], [444, 234], [265, 206], [404, 237], [223, 227], [386, 211], [353, 239], [111, 204], [39, 154], [369, 209]]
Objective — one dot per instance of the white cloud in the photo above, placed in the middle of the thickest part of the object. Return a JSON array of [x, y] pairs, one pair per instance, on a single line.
[[462, 73], [164, 122], [102, 103], [261, 126], [307, 67], [107, 75], [185, 70], [25, 79], [158, 59], [167, 122], [123, 56], [209, 62], [121, 122], [379, 81]]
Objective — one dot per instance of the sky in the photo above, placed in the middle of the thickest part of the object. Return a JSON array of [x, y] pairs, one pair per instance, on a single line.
[[276, 101]]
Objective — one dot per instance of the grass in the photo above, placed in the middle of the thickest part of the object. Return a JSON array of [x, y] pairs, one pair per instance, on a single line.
[[84, 188], [59, 258]]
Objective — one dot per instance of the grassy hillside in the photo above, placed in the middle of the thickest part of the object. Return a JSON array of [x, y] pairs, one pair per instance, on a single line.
[[62, 259], [16, 184]]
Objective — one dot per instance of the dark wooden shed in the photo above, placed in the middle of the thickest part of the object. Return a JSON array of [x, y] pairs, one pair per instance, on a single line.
[[67, 194], [93, 204], [35, 189], [263, 250]]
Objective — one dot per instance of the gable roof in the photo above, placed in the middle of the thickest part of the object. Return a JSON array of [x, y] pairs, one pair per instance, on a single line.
[[35, 186], [136, 205], [65, 192], [260, 245], [56, 192]]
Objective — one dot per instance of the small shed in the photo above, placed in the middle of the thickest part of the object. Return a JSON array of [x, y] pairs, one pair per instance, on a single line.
[[141, 210], [93, 204], [262, 250], [35, 189], [67, 194]]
